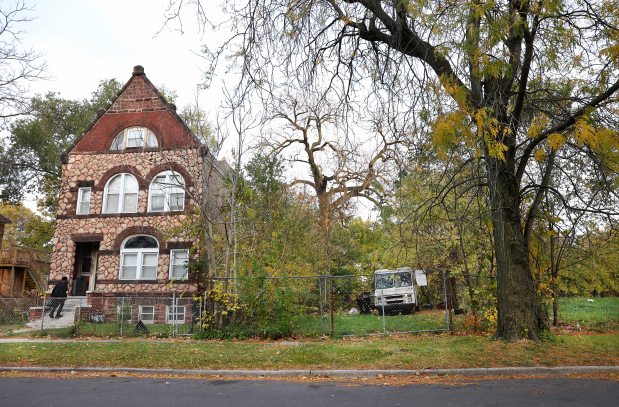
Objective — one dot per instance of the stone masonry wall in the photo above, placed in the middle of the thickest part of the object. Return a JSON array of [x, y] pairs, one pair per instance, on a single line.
[[91, 169]]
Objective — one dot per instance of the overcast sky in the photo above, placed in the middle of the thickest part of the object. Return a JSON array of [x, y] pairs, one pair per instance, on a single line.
[[88, 40], [85, 41]]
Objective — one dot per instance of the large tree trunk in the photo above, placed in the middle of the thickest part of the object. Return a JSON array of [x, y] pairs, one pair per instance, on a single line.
[[520, 313]]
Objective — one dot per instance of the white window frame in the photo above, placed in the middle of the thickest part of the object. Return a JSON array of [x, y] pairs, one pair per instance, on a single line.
[[81, 201], [139, 260], [176, 314], [121, 194], [172, 264], [167, 191], [147, 134], [141, 314]]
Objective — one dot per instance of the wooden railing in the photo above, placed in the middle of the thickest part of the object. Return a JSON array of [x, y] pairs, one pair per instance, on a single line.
[[35, 262], [19, 256]]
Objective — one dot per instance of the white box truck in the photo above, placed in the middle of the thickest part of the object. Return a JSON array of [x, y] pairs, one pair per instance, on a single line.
[[394, 291]]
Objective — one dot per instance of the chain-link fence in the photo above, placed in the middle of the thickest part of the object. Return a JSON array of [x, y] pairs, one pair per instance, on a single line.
[[337, 306], [134, 316], [285, 306]]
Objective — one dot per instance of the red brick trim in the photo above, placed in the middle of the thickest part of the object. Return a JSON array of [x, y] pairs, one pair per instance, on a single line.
[[87, 237], [139, 121], [138, 230], [111, 281], [102, 295], [164, 281], [142, 183], [139, 150], [170, 166], [179, 245], [187, 210]]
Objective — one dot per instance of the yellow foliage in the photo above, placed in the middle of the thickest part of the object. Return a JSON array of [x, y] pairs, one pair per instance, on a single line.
[[488, 129], [585, 133], [449, 129], [458, 93], [496, 149], [555, 141], [606, 139], [540, 155], [538, 124]]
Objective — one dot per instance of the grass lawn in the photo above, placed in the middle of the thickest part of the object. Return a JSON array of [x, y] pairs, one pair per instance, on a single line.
[[599, 313], [112, 329], [345, 324], [403, 352]]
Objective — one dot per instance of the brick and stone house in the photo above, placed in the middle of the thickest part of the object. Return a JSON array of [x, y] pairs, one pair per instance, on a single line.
[[135, 175]]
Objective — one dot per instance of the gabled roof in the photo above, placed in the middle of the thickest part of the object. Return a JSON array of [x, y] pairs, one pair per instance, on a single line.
[[139, 102]]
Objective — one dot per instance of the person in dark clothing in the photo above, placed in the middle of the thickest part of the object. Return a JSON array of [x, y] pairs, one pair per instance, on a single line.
[[59, 296]]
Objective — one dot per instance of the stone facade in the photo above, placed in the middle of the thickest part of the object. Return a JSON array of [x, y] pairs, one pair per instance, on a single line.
[[91, 163]]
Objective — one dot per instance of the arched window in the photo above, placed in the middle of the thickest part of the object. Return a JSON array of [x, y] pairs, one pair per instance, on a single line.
[[138, 258], [121, 194], [166, 192], [134, 137]]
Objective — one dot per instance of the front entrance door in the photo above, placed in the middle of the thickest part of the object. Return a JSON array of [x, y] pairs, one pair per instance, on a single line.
[[85, 267]]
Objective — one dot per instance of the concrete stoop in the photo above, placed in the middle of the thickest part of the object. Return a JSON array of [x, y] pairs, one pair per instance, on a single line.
[[66, 320]]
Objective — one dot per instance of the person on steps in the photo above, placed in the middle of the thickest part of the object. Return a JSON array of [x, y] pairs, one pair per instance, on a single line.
[[59, 296]]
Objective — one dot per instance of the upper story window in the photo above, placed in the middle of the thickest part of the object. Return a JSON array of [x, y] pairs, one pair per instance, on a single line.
[[83, 201], [134, 137], [166, 192], [121, 194], [179, 262], [138, 258]]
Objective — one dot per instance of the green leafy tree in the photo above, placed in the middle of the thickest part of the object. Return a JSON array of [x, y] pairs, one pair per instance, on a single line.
[[27, 229], [32, 156], [524, 85]]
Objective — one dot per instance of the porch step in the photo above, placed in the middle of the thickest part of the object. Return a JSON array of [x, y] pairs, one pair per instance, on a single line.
[[73, 301]]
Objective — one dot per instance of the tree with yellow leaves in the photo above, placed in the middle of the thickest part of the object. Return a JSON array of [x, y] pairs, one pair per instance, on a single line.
[[518, 85]]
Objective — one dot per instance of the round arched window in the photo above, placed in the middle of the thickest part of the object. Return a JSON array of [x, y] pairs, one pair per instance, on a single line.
[[134, 137], [138, 258], [166, 192], [120, 194]]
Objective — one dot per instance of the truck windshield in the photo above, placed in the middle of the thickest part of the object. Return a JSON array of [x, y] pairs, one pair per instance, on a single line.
[[384, 281]]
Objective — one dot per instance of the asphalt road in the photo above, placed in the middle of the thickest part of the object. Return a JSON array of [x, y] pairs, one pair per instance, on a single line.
[[117, 392]]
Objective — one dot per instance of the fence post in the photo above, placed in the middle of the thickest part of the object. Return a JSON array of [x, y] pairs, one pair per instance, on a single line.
[[173, 315], [200, 314], [332, 322], [447, 312], [43, 312], [382, 303], [205, 313], [450, 300], [322, 327], [77, 317], [122, 313]]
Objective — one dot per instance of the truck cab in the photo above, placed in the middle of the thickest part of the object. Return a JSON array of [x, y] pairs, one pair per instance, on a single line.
[[395, 290]]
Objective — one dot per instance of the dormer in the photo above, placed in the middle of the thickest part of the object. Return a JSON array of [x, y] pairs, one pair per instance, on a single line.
[[134, 137]]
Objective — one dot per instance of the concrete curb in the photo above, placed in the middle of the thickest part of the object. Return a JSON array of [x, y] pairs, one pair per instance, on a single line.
[[339, 373]]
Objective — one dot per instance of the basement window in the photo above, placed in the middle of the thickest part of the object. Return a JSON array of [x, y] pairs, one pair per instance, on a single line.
[[175, 314]]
